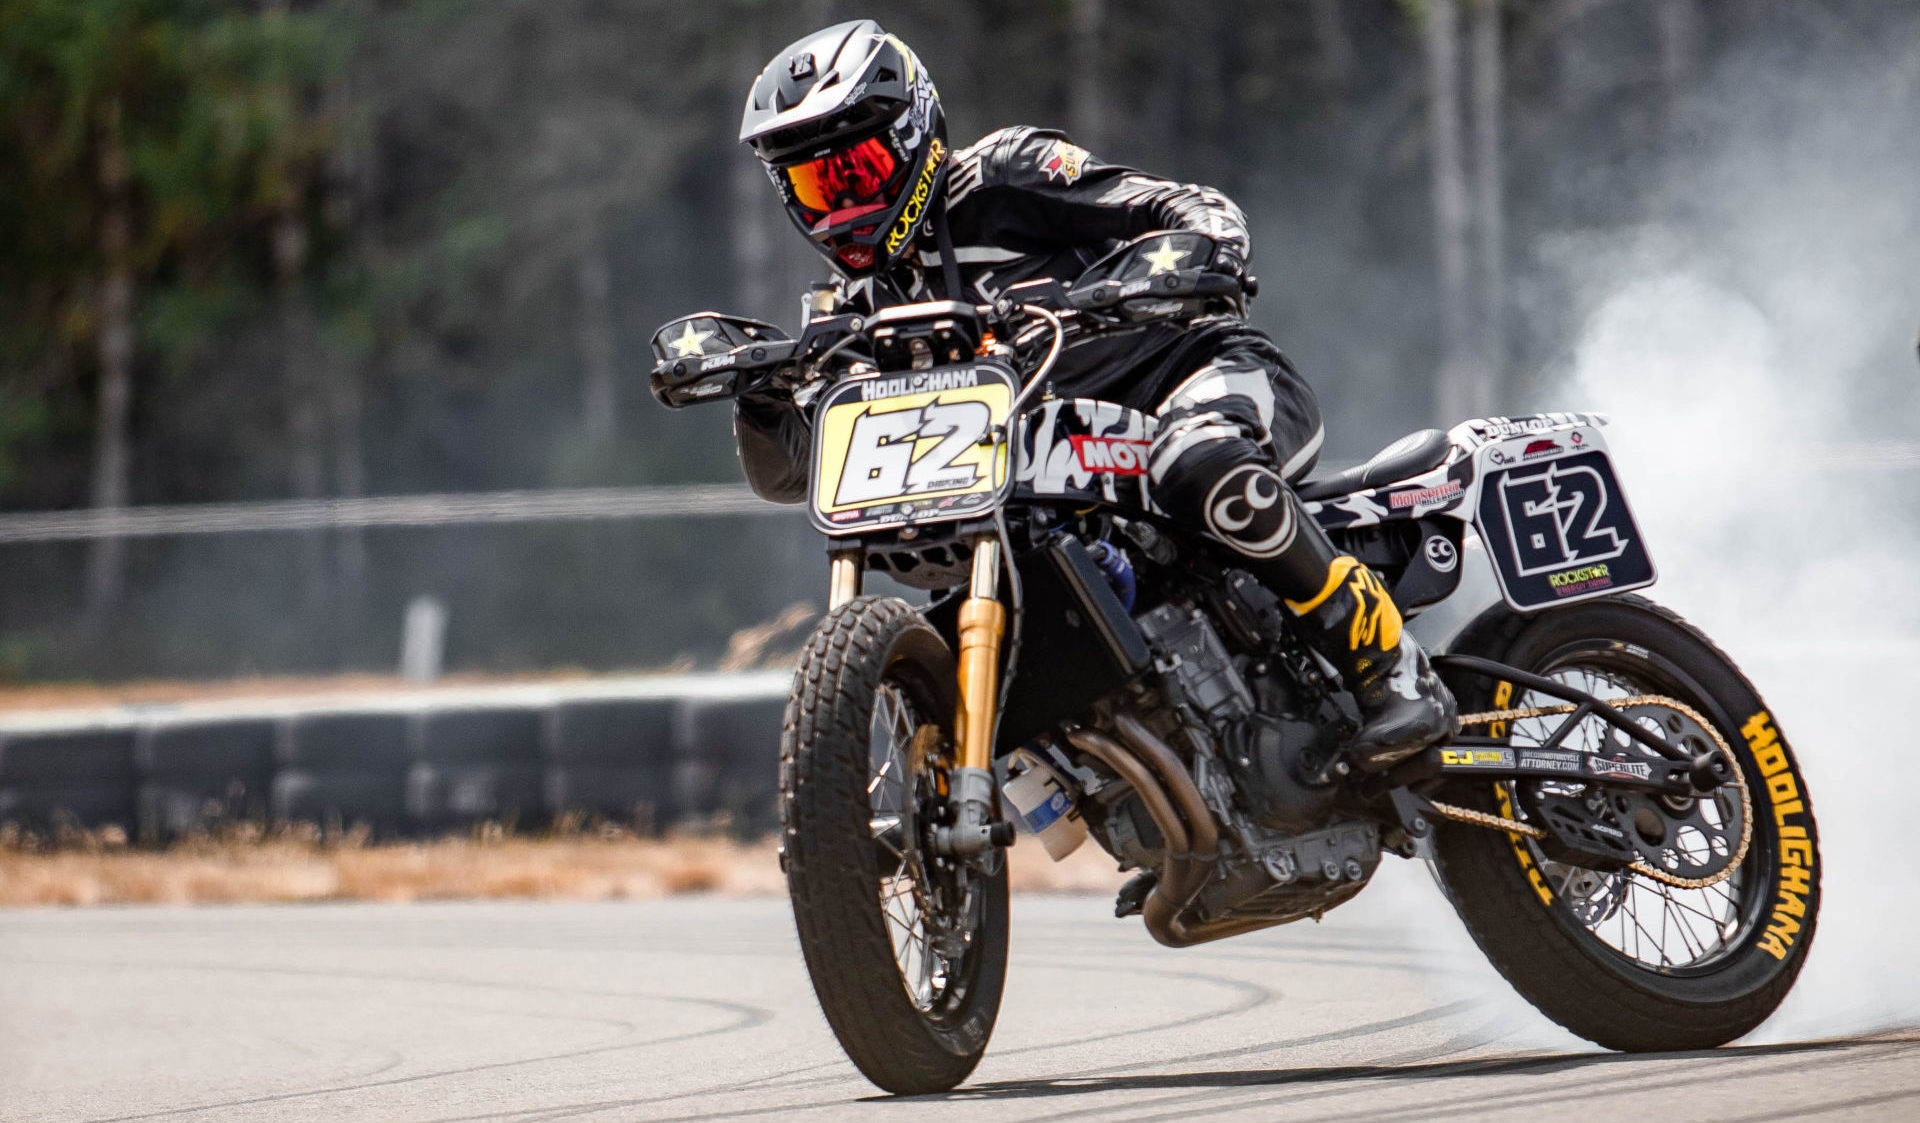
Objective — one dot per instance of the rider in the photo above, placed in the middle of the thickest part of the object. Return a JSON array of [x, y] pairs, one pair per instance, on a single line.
[[851, 131]]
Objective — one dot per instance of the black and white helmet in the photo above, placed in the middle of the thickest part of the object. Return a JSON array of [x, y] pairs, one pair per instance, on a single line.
[[850, 129]]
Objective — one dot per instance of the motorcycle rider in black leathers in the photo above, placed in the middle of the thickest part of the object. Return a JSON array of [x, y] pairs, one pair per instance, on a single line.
[[850, 129]]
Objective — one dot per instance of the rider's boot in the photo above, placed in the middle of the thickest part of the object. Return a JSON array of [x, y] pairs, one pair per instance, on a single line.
[[1213, 474], [1353, 622]]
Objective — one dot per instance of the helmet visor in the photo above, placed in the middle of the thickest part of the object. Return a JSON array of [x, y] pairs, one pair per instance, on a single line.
[[847, 184]]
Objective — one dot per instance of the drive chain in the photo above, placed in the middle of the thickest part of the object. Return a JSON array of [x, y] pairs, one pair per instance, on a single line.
[[1515, 826]]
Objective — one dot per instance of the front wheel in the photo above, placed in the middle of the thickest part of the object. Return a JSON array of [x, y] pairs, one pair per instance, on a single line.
[[1629, 961], [907, 950]]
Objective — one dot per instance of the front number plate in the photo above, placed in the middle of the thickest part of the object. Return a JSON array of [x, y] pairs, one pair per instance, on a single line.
[[1555, 521], [900, 448]]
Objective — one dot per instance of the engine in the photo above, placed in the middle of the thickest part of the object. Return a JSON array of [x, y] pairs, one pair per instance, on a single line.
[[1261, 727]]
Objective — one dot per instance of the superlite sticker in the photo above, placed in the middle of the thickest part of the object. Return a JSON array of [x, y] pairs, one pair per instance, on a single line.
[[1796, 846]]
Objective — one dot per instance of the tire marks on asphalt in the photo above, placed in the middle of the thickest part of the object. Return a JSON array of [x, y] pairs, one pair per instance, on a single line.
[[743, 1017]]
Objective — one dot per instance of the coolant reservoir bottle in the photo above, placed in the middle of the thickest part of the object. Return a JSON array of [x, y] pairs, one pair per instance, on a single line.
[[1048, 804]]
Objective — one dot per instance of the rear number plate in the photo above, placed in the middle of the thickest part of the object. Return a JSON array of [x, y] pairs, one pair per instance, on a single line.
[[1558, 529]]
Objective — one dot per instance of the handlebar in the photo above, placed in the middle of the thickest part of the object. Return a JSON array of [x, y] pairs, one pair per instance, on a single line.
[[1021, 311]]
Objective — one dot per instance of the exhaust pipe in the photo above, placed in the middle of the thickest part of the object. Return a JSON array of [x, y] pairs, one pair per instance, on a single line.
[[1191, 834], [1174, 870], [1163, 914]]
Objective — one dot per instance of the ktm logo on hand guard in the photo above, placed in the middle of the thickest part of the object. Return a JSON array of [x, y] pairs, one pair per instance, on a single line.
[[1250, 511]]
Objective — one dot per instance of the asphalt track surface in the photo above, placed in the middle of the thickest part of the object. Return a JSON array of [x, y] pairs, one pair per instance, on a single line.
[[700, 1008]]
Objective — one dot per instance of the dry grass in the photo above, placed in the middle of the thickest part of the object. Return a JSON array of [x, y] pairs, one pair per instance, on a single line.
[[295, 865]]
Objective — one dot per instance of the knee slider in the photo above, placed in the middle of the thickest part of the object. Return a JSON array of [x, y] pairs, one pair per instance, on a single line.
[[1189, 455], [1224, 482]]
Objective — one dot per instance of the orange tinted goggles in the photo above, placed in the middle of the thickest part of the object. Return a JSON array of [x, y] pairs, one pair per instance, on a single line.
[[854, 178]]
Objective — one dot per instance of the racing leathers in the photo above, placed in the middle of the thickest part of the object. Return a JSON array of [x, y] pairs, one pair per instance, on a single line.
[[1237, 423]]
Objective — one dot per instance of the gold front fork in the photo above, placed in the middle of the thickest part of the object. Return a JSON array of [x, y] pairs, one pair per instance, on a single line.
[[843, 582], [983, 623]]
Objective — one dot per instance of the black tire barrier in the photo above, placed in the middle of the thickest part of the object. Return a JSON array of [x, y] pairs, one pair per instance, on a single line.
[[441, 796], [626, 744], [620, 794], [620, 731], [235, 746], [67, 778], [48, 807], [198, 774], [727, 763], [482, 736], [347, 741], [344, 799], [652, 762], [68, 758]]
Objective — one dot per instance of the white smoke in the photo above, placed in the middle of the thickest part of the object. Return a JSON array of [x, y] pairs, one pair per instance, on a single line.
[[1798, 563], [1755, 352], [1753, 344]]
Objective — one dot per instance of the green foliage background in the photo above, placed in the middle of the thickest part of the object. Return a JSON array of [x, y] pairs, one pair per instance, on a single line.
[[448, 170]]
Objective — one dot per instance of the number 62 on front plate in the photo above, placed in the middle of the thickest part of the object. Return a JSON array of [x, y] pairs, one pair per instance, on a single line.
[[911, 447]]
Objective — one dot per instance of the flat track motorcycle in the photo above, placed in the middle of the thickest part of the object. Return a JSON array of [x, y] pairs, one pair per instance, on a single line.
[[1620, 824]]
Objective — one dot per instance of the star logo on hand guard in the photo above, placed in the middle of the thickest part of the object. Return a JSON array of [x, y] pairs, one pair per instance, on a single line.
[[1165, 259], [691, 342]]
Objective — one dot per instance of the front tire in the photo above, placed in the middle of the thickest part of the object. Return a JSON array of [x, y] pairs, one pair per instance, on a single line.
[[907, 951], [1697, 968]]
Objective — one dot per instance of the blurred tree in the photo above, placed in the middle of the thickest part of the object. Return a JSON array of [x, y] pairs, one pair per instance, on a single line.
[[1457, 382], [141, 140], [253, 248], [1489, 202]]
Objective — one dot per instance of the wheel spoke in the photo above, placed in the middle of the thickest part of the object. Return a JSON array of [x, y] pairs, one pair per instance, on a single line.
[[1693, 926], [909, 893]]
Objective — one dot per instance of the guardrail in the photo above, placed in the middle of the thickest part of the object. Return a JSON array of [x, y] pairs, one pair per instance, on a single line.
[[449, 509], [655, 751], [576, 504]]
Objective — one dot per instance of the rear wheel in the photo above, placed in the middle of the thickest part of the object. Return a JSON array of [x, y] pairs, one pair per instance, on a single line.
[[907, 950], [1625, 959]]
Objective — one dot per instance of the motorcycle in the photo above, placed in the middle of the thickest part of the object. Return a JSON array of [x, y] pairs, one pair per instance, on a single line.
[[1620, 822]]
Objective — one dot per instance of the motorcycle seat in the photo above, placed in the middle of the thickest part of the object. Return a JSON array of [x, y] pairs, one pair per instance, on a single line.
[[1409, 456]]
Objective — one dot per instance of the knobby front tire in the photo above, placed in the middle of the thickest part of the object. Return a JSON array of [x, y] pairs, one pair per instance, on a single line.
[[869, 903]]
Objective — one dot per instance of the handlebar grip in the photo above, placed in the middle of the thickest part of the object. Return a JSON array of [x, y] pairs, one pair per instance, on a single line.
[[1218, 284]]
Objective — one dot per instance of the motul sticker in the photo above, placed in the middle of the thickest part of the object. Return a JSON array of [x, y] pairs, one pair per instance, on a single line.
[[1117, 455]]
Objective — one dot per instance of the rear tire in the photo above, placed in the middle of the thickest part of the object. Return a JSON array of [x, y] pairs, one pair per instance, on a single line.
[[913, 1021], [1741, 960]]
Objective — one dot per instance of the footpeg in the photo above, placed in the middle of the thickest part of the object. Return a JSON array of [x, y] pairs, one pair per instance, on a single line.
[[1133, 895]]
